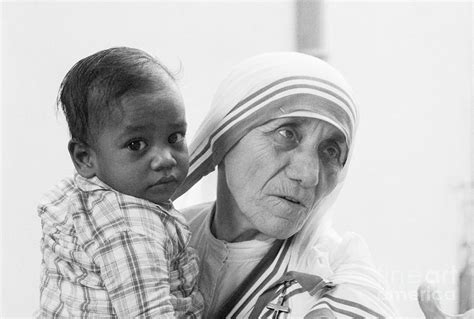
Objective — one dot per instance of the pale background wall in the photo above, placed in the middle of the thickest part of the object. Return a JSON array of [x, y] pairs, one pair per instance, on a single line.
[[409, 64]]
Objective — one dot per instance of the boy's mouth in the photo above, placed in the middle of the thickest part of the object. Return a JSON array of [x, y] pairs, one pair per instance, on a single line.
[[165, 180]]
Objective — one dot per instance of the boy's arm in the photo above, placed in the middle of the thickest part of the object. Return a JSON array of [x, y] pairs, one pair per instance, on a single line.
[[135, 273]]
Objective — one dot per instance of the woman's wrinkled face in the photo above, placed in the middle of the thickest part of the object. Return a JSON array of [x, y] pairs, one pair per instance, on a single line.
[[280, 170]]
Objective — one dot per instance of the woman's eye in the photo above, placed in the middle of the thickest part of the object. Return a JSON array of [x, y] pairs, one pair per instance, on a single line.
[[175, 138], [332, 152], [136, 145], [287, 133]]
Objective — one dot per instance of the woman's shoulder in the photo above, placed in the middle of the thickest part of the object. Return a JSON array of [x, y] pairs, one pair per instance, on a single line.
[[359, 287], [350, 248]]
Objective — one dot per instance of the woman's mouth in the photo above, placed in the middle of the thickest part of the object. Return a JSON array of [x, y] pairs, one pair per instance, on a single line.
[[291, 199]]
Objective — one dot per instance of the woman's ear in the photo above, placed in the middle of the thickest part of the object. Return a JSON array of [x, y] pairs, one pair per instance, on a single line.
[[83, 157]]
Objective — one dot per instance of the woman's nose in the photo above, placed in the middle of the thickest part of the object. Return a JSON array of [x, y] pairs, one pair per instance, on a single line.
[[304, 168], [162, 159]]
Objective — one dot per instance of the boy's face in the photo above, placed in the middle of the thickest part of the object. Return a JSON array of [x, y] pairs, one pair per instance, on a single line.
[[141, 150]]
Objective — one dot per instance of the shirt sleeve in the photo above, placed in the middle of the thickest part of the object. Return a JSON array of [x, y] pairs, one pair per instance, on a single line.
[[134, 269]]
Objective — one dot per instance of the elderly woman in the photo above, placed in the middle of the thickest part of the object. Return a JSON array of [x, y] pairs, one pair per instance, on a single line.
[[280, 131]]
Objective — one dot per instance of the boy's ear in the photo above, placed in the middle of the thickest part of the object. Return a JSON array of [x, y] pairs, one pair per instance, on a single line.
[[83, 157]]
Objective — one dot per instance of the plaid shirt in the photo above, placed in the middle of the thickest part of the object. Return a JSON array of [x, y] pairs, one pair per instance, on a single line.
[[107, 254]]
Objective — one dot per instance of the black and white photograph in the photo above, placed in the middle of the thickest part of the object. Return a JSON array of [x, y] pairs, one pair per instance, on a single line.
[[237, 159]]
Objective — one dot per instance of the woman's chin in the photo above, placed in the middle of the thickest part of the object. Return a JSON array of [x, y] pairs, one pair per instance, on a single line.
[[282, 223], [281, 229]]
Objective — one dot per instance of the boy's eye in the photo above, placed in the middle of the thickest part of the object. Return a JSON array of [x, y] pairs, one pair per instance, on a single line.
[[136, 145], [175, 138]]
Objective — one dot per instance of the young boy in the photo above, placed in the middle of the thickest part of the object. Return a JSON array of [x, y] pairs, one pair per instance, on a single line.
[[113, 245]]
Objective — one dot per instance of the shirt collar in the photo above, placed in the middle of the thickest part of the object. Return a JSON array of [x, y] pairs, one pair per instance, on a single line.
[[90, 184]]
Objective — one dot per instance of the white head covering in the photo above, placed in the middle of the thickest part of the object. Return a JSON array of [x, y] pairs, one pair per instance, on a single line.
[[248, 98]]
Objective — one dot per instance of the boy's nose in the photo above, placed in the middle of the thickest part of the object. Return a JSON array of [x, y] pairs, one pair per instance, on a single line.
[[162, 159]]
